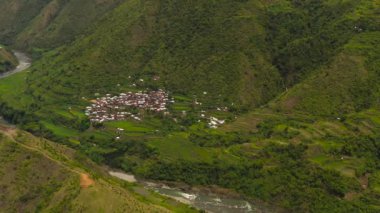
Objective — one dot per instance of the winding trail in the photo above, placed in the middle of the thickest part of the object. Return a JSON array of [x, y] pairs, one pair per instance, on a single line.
[[24, 63], [209, 203], [11, 134]]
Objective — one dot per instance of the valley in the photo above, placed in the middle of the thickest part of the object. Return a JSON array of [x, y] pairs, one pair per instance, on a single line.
[[200, 198], [229, 106], [51, 177]]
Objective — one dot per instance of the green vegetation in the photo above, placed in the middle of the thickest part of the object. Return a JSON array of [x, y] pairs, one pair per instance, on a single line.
[[7, 60], [336, 57], [42, 24], [229, 68], [38, 175], [312, 66]]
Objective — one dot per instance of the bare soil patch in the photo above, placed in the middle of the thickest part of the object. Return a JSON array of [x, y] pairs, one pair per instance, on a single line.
[[86, 181]]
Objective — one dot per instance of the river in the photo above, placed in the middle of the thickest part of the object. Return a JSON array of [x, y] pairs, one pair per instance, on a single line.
[[200, 200], [24, 63]]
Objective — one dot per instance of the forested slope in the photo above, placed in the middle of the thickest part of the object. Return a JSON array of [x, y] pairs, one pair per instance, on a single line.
[[194, 48], [43, 24], [349, 83], [296, 82], [331, 50], [241, 54], [40, 176]]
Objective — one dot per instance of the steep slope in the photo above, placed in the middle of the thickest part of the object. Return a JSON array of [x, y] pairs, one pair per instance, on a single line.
[[349, 83], [221, 53], [38, 175], [61, 21], [193, 48], [304, 35], [238, 54], [348, 146], [16, 15], [48, 23], [328, 48]]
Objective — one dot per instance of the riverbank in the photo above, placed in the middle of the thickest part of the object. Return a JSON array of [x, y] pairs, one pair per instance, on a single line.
[[8, 60], [210, 198], [24, 62]]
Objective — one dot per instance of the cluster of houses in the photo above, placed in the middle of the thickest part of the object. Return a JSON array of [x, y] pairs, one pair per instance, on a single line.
[[214, 123], [113, 108]]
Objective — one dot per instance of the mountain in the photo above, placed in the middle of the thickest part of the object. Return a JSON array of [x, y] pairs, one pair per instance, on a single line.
[[144, 39], [349, 83], [294, 83], [265, 51], [43, 24], [335, 53]]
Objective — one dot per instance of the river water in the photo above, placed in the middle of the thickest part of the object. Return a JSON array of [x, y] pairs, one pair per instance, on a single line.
[[24, 63], [207, 202], [210, 203]]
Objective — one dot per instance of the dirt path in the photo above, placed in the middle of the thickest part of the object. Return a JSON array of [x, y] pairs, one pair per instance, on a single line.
[[86, 181], [8, 131], [11, 133]]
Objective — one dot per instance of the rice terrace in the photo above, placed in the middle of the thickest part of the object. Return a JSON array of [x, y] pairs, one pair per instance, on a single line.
[[190, 106]]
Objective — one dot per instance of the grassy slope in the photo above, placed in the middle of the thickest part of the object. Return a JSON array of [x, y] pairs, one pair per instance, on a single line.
[[38, 175], [341, 74], [348, 83], [231, 66], [142, 39], [123, 44], [325, 139], [44, 24], [18, 15], [61, 21]]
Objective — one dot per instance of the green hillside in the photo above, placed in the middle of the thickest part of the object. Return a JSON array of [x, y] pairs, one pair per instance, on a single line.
[[350, 82], [17, 16], [191, 55], [43, 24], [40, 176], [296, 83], [305, 35], [266, 49], [334, 60]]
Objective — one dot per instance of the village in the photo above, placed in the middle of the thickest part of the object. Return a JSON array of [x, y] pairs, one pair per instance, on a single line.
[[118, 108], [114, 108]]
